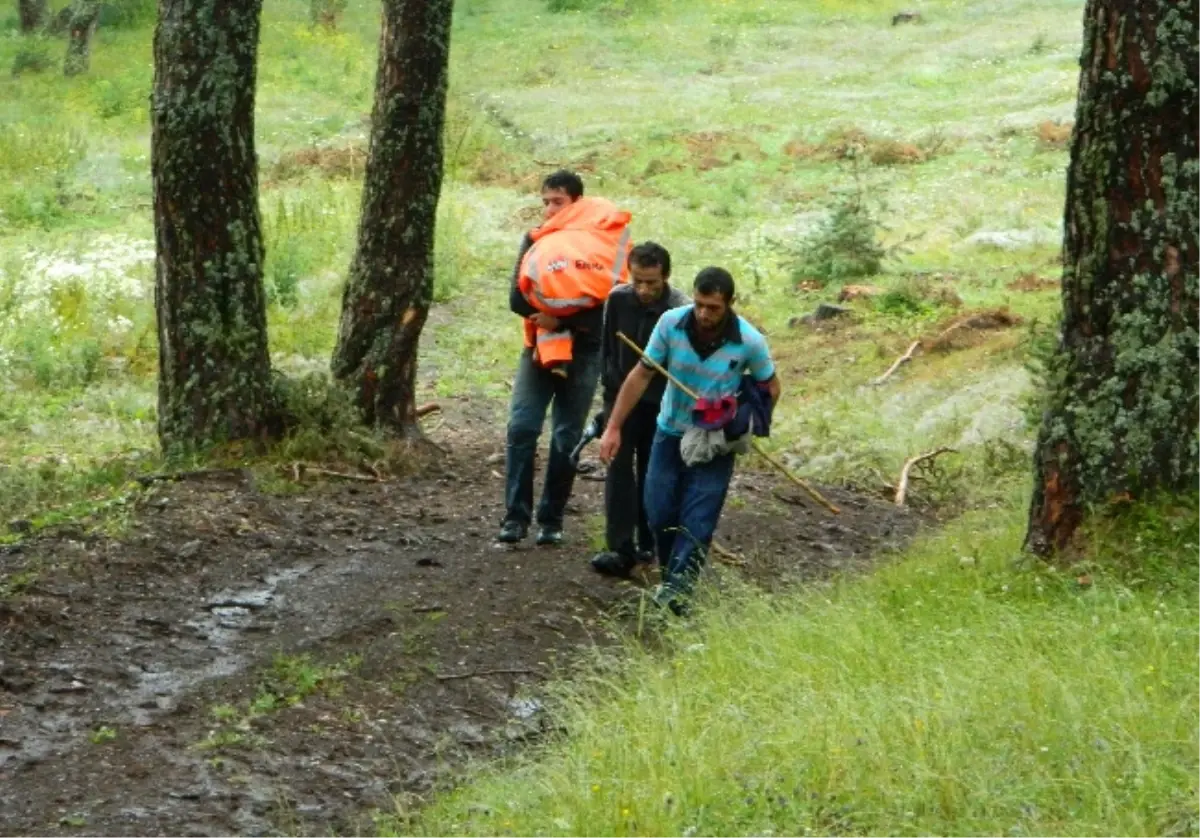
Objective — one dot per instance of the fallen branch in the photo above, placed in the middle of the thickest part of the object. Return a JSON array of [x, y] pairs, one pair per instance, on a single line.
[[726, 555], [426, 409], [147, 479], [901, 361], [902, 486], [480, 673], [299, 470]]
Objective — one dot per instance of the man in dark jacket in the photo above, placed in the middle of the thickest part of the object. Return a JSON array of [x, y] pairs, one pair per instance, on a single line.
[[633, 310], [536, 390]]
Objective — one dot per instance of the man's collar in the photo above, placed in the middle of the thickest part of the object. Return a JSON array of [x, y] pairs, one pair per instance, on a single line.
[[731, 332]]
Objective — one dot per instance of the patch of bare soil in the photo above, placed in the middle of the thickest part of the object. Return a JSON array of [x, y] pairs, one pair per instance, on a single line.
[[250, 663], [972, 329], [1032, 282], [851, 142]]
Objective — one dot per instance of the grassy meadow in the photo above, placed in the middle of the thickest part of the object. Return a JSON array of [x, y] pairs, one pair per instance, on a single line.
[[728, 129], [957, 691]]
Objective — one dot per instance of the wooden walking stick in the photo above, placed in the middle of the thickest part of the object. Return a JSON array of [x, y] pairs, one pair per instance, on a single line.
[[657, 367]]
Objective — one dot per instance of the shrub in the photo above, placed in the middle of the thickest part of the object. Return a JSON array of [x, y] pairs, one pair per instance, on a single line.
[[327, 13], [33, 56], [128, 14], [843, 246]]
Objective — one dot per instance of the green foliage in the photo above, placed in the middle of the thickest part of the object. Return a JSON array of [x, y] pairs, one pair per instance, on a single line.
[[128, 14], [1150, 545], [33, 56], [617, 7], [102, 735], [1040, 344], [327, 13], [844, 245], [315, 402], [902, 300]]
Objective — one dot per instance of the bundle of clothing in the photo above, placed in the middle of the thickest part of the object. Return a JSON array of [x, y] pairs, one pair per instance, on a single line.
[[726, 425]]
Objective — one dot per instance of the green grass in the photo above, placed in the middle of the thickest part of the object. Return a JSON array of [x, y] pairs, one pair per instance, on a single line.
[[958, 691]]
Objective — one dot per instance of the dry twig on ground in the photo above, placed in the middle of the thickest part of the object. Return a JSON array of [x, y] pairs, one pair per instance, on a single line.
[[901, 361], [902, 486]]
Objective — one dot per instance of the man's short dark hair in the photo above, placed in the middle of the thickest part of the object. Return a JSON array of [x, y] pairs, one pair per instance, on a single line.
[[651, 255], [715, 281], [565, 180]]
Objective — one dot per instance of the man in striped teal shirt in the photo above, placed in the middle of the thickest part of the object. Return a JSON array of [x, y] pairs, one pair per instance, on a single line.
[[708, 347]]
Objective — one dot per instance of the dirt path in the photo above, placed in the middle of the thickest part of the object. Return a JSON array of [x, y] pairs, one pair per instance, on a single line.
[[258, 664]]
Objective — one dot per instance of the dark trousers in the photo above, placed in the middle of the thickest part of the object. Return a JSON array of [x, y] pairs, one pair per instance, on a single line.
[[683, 504], [569, 399], [627, 530]]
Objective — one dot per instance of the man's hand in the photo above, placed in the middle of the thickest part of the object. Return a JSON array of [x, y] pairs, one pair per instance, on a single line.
[[545, 321], [610, 444]]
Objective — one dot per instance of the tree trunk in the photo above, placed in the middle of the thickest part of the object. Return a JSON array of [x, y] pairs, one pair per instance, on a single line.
[[1121, 418], [214, 371], [391, 277], [85, 14], [33, 14]]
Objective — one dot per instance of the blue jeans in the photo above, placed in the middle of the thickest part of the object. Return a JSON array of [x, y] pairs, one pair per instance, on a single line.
[[683, 504], [569, 400]]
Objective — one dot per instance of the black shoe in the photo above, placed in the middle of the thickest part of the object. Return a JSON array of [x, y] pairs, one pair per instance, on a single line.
[[609, 563], [511, 532], [549, 536], [670, 598]]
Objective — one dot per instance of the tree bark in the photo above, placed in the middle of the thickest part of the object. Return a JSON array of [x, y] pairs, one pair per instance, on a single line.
[[1122, 416], [214, 371], [390, 286], [85, 14], [33, 14]]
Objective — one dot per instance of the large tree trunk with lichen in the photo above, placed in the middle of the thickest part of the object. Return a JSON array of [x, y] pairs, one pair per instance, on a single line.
[[214, 371], [1122, 414], [85, 14], [391, 277], [33, 14]]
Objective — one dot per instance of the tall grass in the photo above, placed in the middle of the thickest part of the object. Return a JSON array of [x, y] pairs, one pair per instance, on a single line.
[[953, 692]]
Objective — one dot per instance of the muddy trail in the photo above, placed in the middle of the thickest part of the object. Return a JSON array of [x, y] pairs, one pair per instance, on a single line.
[[242, 662]]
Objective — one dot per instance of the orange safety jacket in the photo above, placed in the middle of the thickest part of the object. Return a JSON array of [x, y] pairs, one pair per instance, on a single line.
[[576, 259]]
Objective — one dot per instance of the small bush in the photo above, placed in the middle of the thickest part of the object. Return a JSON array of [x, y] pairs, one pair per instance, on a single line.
[[1040, 345], [902, 301], [128, 14], [32, 56], [844, 246], [327, 13]]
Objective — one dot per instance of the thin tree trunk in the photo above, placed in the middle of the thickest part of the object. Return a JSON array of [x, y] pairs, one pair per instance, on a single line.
[[1122, 411], [85, 14], [33, 14], [214, 370], [390, 285]]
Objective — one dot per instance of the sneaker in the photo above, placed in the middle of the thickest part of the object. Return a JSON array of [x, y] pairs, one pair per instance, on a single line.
[[614, 564], [549, 536], [511, 532]]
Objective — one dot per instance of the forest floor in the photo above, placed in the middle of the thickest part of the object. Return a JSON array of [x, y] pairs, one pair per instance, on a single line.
[[249, 662]]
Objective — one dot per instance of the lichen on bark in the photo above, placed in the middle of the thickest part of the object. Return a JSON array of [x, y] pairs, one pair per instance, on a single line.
[[1122, 408], [390, 285], [214, 368]]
